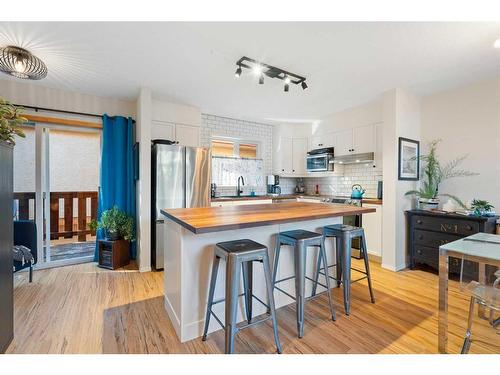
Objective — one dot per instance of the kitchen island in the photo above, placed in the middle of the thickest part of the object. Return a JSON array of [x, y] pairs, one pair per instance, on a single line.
[[191, 233]]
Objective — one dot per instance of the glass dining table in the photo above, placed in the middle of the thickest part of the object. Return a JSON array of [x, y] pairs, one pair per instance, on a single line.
[[482, 248]]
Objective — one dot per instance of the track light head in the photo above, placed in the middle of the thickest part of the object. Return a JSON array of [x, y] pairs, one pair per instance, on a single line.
[[304, 85], [287, 87], [257, 69], [261, 79], [287, 80], [237, 74]]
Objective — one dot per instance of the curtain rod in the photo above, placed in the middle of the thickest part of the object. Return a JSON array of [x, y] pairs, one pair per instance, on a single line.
[[62, 111]]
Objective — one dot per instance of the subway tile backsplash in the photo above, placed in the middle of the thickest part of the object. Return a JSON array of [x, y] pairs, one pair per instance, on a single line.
[[226, 171], [365, 175]]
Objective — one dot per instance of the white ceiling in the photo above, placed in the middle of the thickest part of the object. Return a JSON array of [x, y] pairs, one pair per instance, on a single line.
[[346, 64]]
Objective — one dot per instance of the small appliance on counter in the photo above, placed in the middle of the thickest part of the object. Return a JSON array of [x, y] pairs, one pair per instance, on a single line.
[[357, 191], [380, 189], [273, 182], [300, 188]]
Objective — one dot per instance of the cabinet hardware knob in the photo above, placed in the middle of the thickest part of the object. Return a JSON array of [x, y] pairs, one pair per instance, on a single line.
[[419, 251], [293, 170], [282, 170], [419, 221], [320, 144]]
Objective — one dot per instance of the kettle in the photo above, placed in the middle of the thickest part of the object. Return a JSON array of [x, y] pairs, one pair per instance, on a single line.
[[357, 191]]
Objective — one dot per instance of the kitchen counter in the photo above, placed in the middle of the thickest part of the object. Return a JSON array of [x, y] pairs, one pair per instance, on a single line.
[[287, 196], [189, 238], [216, 219]]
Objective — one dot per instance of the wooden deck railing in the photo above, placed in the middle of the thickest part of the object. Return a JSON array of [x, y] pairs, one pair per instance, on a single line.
[[68, 197]]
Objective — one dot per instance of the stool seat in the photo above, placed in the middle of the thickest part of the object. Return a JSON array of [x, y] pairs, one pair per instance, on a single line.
[[341, 227], [239, 246], [300, 234]]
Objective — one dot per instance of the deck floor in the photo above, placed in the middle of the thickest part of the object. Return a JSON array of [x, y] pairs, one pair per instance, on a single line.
[[85, 309]]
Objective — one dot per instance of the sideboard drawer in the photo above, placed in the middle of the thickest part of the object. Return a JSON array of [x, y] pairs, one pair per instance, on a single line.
[[433, 239], [444, 225], [426, 255]]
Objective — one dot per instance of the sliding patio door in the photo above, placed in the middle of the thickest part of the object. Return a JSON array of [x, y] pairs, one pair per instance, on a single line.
[[59, 190]]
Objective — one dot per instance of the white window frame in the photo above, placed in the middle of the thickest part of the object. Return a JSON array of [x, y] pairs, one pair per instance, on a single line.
[[236, 145]]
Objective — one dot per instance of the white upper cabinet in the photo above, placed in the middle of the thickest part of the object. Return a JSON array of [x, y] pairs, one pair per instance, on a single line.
[[187, 135], [162, 130], [299, 152], [291, 156], [363, 139], [321, 141], [285, 159], [342, 142], [354, 141]]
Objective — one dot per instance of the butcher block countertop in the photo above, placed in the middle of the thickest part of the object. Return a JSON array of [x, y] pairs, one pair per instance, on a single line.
[[215, 219]]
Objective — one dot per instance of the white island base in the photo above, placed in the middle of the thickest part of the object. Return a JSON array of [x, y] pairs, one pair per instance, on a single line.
[[188, 263]]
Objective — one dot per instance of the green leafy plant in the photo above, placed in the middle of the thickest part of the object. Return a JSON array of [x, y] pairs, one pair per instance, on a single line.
[[434, 173], [116, 223], [10, 122], [480, 207]]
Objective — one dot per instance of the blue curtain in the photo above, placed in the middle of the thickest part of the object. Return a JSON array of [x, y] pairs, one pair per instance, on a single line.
[[117, 185]]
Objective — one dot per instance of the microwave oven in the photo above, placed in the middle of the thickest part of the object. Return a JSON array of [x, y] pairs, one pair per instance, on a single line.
[[319, 162]]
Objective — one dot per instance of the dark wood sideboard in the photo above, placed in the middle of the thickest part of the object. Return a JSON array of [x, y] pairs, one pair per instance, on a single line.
[[428, 230]]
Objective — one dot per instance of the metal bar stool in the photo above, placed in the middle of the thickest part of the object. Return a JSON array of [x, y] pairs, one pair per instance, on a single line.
[[300, 240], [343, 235], [240, 255]]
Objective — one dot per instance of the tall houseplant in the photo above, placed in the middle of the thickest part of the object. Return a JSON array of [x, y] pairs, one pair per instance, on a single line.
[[10, 122], [435, 173]]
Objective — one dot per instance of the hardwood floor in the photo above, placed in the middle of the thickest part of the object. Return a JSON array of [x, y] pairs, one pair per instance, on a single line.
[[85, 309]]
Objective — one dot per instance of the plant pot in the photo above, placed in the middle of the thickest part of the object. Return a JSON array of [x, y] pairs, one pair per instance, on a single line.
[[428, 204], [113, 236]]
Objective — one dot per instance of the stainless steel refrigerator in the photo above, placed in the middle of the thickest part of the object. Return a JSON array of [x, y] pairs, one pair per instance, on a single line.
[[180, 178]]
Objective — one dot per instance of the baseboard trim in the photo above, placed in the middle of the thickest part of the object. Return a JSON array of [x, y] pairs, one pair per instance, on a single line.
[[395, 269], [145, 269]]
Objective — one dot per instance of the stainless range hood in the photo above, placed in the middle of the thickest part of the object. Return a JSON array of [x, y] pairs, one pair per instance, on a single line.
[[368, 157]]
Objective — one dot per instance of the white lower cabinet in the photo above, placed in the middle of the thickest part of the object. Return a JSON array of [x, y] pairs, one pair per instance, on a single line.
[[372, 224]]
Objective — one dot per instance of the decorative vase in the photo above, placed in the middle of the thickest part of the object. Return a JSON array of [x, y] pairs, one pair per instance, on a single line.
[[428, 203]]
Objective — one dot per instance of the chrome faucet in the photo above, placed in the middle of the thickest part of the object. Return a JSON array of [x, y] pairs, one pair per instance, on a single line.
[[239, 191]]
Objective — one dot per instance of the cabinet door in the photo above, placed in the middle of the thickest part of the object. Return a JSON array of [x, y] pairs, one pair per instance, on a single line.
[[321, 141], [363, 139], [162, 130], [372, 224], [187, 135], [285, 156], [378, 146], [342, 142], [299, 152]]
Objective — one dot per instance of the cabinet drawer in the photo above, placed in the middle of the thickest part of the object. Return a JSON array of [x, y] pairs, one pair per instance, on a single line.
[[443, 225], [433, 239], [427, 255]]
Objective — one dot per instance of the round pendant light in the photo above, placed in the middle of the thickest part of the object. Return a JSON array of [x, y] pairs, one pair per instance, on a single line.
[[20, 63]]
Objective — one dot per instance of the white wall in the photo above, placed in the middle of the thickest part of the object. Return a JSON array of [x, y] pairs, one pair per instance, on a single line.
[[467, 120], [26, 93], [176, 113], [365, 114]]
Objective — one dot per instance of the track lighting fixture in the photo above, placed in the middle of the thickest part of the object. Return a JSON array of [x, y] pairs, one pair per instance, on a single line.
[[238, 72], [260, 69]]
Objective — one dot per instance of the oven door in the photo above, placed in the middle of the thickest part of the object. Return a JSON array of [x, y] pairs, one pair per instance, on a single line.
[[318, 163]]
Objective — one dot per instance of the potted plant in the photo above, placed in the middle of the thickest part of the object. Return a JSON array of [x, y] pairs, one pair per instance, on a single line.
[[117, 225], [481, 207], [434, 173], [10, 122]]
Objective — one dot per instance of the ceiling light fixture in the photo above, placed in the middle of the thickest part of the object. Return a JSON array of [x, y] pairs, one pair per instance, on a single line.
[[20, 63], [260, 69], [237, 74], [497, 43]]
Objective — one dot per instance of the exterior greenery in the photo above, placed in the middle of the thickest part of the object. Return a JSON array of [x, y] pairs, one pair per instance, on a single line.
[[116, 223], [10, 122], [434, 173]]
